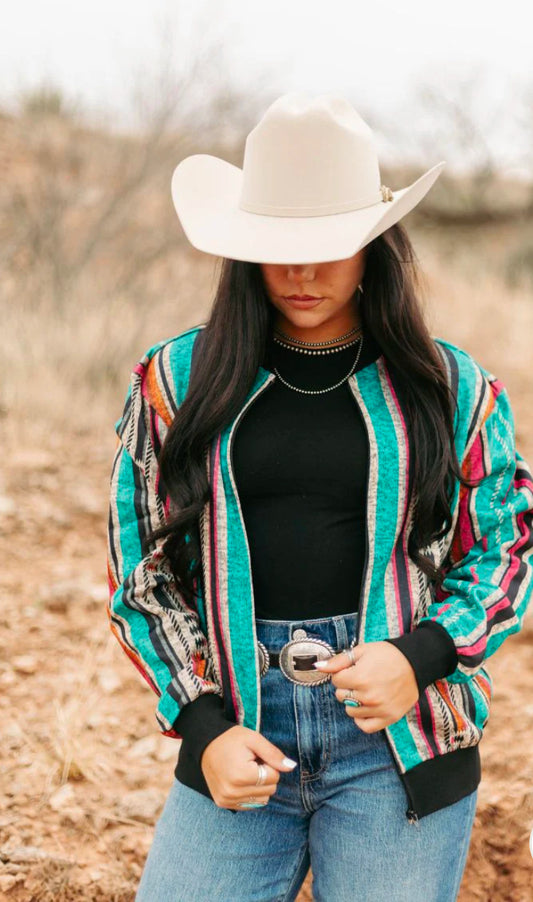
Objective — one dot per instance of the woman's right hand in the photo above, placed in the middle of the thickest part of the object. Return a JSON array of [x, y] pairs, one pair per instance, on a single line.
[[230, 766]]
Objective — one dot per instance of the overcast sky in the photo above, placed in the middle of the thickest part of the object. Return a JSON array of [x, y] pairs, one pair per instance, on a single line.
[[378, 53]]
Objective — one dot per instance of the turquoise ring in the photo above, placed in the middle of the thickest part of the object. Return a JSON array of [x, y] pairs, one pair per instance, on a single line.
[[350, 700]]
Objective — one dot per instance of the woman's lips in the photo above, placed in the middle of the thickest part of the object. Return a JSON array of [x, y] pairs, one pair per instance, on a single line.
[[304, 302]]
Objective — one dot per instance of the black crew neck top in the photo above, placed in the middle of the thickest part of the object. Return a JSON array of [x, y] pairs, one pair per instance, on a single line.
[[300, 464]]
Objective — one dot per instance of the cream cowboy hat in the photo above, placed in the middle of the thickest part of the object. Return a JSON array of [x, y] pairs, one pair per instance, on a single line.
[[309, 191]]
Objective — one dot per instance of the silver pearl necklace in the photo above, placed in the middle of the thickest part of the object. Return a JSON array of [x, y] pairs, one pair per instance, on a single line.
[[333, 350], [317, 344], [322, 391]]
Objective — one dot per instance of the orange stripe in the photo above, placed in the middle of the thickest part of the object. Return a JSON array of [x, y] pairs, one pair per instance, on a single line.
[[154, 395], [442, 688]]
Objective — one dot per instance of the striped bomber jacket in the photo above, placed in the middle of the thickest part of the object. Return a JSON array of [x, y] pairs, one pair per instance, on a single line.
[[207, 655]]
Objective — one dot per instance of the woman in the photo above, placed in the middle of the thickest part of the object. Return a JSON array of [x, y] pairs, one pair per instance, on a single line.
[[310, 478]]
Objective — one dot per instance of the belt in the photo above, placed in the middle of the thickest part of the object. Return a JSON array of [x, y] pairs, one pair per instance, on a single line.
[[296, 658]]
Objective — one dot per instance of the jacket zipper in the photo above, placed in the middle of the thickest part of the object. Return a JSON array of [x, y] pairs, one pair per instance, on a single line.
[[411, 814], [265, 385]]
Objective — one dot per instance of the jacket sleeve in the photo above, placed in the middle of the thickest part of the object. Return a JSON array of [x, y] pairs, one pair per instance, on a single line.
[[157, 630], [430, 650], [489, 583]]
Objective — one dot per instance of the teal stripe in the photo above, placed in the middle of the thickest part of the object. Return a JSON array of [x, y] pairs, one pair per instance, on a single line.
[[179, 357], [403, 740], [130, 546], [179, 361], [385, 500], [240, 588], [128, 527]]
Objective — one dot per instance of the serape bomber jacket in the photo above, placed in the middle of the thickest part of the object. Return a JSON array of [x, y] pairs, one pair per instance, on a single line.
[[202, 660]]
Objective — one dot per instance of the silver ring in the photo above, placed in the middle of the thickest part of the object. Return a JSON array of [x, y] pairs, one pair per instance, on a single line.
[[262, 775], [350, 653]]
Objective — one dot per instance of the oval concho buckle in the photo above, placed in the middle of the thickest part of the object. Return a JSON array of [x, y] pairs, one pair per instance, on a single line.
[[307, 650]]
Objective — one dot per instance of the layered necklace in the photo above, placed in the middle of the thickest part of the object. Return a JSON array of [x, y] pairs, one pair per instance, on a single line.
[[354, 336]]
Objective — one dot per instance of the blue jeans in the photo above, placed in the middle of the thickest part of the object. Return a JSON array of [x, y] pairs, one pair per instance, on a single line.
[[341, 812]]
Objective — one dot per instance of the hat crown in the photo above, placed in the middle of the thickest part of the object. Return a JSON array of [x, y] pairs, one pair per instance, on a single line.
[[310, 155]]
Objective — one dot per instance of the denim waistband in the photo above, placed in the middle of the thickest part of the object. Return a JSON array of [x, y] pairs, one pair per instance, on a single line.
[[339, 630]]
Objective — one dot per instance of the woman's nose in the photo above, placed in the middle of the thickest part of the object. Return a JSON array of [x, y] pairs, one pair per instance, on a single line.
[[303, 272]]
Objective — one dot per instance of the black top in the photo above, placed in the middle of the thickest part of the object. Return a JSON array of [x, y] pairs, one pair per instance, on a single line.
[[300, 463]]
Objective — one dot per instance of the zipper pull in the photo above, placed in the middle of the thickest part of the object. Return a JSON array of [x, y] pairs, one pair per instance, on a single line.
[[412, 816]]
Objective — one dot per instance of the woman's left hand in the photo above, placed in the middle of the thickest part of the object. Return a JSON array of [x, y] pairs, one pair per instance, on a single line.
[[382, 679]]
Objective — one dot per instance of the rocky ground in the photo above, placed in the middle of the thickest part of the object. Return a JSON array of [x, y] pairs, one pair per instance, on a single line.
[[85, 771]]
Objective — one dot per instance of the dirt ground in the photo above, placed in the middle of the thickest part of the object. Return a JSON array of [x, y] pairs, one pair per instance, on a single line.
[[85, 771]]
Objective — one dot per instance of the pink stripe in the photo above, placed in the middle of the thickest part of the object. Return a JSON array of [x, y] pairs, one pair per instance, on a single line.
[[216, 471], [497, 386], [528, 483], [498, 606], [404, 535], [215, 535], [472, 650], [475, 470]]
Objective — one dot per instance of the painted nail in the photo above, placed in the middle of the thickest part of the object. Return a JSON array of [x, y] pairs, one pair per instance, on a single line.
[[251, 805], [288, 762], [319, 663], [352, 704]]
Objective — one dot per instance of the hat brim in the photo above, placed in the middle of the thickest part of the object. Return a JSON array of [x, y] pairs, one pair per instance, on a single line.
[[206, 192]]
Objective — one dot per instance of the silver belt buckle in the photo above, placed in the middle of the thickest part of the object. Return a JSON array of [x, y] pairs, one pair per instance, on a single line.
[[313, 649]]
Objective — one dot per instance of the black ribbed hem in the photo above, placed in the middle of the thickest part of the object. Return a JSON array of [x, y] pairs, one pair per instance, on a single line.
[[200, 721], [430, 650], [431, 785], [443, 780]]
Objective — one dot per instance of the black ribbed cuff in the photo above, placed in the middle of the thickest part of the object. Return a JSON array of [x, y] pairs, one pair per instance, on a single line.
[[201, 721], [430, 650]]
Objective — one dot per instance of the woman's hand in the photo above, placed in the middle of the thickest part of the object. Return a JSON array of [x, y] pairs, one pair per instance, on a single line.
[[230, 766], [382, 679]]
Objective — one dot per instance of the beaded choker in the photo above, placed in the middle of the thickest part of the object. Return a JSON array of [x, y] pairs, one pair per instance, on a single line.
[[318, 347]]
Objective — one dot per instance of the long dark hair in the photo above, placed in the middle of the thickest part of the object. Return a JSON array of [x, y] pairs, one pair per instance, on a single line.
[[225, 370]]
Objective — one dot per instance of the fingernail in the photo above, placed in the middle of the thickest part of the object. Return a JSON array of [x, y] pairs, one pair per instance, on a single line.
[[288, 762], [320, 663], [349, 702]]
